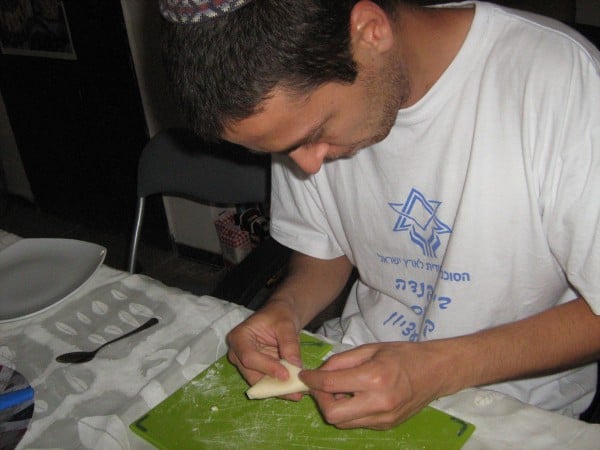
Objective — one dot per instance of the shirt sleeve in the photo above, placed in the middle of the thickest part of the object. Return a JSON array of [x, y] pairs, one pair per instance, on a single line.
[[298, 218], [571, 191]]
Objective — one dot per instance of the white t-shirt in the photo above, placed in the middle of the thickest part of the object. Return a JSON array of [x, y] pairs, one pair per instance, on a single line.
[[482, 205]]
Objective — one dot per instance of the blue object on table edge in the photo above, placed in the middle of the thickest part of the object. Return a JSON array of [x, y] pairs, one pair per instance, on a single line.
[[16, 407], [10, 399]]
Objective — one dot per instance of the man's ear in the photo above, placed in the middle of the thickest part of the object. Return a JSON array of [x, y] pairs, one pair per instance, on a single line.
[[370, 29]]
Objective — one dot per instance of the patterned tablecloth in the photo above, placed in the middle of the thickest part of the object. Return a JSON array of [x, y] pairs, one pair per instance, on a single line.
[[90, 406]]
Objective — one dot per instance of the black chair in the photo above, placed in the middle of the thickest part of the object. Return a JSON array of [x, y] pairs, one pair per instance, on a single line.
[[176, 163]]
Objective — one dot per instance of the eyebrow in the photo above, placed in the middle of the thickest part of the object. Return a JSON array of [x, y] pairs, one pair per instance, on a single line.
[[311, 136]]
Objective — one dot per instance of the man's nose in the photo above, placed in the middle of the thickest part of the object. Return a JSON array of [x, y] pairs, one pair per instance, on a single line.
[[310, 157]]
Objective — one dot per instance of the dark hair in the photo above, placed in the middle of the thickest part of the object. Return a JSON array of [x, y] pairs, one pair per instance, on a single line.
[[222, 69]]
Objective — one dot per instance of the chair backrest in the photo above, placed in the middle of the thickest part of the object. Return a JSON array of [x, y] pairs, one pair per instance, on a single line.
[[175, 162]]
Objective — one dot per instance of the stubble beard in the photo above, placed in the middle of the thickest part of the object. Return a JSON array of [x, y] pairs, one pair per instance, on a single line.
[[386, 92], [389, 91]]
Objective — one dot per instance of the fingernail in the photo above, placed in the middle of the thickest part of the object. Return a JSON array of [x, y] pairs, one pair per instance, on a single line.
[[297, 362]]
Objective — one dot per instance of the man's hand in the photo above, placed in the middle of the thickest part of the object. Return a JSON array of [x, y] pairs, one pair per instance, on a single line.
[[271, 334], [257, 344], [376, 385], [380, 385]]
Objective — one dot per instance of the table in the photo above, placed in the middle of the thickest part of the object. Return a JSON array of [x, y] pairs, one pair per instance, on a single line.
[[91, 405]]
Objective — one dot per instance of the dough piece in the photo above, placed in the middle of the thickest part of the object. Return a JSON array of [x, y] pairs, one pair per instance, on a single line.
[[273, 387]]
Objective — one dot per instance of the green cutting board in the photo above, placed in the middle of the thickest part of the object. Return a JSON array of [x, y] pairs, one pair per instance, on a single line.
[[212, 412]]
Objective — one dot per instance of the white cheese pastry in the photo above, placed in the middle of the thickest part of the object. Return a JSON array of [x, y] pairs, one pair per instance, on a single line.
[[272, 387]]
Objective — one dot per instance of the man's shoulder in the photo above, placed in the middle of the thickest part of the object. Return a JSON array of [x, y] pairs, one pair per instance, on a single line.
[[545, 35]]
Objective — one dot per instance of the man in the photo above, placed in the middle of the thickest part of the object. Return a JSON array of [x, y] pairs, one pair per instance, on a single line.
[[470, 212]]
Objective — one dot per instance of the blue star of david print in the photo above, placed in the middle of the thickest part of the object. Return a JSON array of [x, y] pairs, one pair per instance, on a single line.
[[417, 215]]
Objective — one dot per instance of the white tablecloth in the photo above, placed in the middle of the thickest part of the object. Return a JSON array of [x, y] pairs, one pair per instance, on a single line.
[[85, 406]]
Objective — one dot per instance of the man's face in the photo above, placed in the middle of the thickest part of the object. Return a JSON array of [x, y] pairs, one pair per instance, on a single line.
[[333, 121]]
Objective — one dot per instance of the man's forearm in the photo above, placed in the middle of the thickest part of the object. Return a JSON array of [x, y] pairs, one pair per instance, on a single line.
[[562, 337], [311, 285]]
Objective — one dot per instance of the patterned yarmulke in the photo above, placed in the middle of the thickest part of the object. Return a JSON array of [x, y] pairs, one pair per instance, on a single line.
[[194, 11]]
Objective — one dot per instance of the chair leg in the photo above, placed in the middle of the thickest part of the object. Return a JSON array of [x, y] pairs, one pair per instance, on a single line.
[[135, 238]]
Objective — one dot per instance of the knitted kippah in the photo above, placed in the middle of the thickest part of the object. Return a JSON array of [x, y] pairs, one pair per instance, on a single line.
[[194, 11]]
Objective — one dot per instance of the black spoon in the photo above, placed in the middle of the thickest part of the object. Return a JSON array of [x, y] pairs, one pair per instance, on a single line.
[[81, 357]]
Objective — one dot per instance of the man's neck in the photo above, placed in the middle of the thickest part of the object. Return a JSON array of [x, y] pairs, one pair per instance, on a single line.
[[429, 40]]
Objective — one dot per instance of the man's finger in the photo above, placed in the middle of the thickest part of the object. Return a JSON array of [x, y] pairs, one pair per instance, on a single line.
[[344, 381], [352, 411]]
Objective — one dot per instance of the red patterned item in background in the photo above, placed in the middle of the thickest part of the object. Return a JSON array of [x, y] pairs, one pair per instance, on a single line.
[[235, 243]]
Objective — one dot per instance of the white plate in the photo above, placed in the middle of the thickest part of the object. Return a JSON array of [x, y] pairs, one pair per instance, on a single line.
[[36, 274]]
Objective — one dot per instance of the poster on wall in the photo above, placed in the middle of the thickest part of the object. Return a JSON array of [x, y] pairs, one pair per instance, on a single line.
[[35, 28]]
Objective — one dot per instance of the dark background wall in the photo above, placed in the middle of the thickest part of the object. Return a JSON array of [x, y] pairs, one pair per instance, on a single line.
[[79, 124]]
